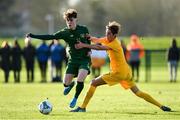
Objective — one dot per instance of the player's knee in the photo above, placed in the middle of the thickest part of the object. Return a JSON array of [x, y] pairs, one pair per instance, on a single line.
[[93, 83], [66, 82]]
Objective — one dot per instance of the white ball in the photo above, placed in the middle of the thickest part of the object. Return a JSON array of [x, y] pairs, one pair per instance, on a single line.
[[45, 107]]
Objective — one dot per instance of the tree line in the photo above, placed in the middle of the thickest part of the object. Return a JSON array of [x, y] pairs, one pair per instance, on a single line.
[[143, 17]]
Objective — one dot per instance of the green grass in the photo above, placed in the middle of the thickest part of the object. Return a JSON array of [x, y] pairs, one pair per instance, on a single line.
[[20, 101]]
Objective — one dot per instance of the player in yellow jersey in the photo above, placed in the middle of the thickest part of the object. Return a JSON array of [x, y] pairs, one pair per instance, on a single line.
[[120, 71]]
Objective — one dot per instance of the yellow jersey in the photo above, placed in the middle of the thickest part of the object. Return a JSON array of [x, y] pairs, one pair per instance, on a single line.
[[117, 59]]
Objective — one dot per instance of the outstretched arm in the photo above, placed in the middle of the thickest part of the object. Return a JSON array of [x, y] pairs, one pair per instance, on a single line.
[[42, 37], [94, 46]]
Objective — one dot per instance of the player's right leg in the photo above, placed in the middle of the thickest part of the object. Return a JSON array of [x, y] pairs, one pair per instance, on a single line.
[[148, 98], [71, 72], [68, 83]]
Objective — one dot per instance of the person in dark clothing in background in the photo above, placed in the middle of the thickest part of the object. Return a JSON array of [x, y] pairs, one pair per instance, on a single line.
[[42, 53], [173, 58], [5, 53], [58, 55], [16, 61], [29, 53]]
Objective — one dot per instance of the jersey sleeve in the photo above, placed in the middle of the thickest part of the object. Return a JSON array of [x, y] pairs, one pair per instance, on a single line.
[[98, 40], [43, 37], [57, 35], [60, 34]]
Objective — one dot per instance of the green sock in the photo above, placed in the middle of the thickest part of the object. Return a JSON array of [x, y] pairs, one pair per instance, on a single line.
[[79, 88]]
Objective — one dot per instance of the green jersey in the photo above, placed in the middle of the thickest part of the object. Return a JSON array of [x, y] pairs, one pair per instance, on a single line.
[[71, 37]]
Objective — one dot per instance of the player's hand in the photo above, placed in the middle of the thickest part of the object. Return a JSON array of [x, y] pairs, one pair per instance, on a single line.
[[27, 40], [88, 36], [79, 45], [28, 34]]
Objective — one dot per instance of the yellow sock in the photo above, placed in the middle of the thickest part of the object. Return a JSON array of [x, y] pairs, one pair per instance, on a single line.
[[148, 98], [88, 96]]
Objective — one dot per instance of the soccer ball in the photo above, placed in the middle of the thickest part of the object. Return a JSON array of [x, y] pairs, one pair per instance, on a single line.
[[45, 107]]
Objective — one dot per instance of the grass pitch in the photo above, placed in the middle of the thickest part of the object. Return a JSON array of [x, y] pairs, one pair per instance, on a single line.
[[20, 101]]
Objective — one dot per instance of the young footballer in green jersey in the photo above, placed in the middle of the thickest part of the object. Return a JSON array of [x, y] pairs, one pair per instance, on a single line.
[[79, 60]]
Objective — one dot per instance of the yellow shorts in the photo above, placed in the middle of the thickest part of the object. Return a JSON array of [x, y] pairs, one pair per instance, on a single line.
[[114, 78]]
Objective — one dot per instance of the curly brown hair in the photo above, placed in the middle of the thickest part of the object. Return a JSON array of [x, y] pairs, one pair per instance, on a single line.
[[70, 13], [114, 26]]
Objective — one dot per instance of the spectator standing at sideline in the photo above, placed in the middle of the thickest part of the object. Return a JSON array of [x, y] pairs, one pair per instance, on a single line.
[[42, 53], [173, 58], [57, 54], [5, 53], [135, 51], [29, 53], [16, 61]]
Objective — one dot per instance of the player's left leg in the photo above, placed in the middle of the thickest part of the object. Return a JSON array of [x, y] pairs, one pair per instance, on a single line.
[[94, 83], [148, 98], [79, 87]]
